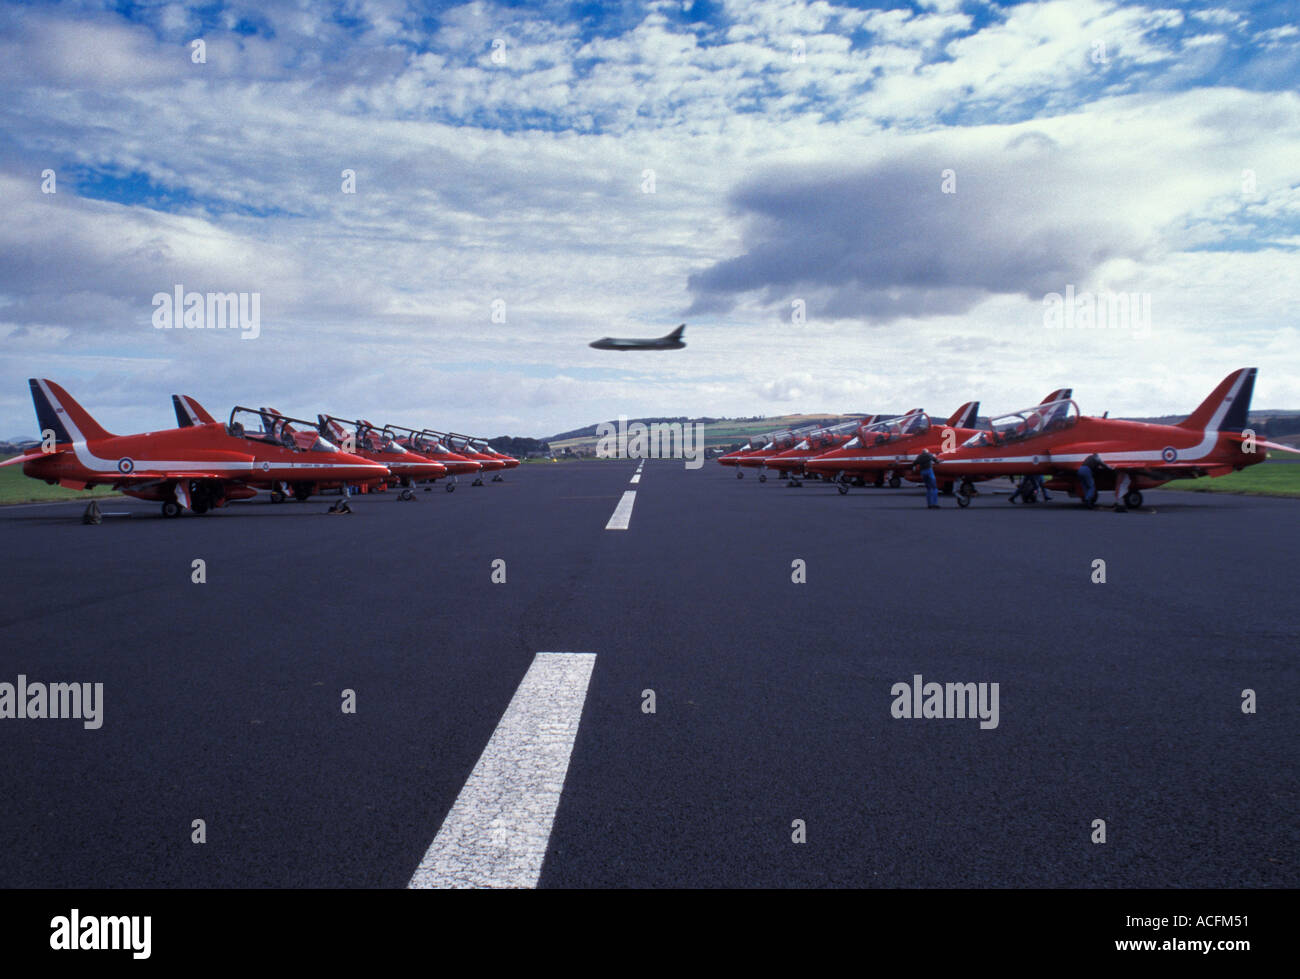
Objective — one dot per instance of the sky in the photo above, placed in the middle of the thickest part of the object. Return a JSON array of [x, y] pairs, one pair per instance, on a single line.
[[855, 207]]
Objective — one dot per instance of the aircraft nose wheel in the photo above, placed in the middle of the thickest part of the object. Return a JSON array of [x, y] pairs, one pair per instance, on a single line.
[[1133, 499], [843, 488], [895, 482], [740, 474], [964, 494], [451, 487], [277, 496], [762, 477], [171, 509]]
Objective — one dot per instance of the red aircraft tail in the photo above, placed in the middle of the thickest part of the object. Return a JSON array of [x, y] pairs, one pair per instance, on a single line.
[[58, 411], [1060, 395], [330, 428], [964, 417], [1226, 408], [189, 412]]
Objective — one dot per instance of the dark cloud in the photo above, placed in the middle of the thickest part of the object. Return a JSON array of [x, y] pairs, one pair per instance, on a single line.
[[885, 241]]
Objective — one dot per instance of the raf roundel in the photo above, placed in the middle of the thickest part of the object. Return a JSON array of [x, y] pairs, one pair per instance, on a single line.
[[1169, 454], [125, 465], [266, 466]]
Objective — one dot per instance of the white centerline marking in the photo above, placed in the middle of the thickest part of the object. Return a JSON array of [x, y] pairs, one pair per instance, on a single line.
[[623, 512], [636, 478], [498, 829]]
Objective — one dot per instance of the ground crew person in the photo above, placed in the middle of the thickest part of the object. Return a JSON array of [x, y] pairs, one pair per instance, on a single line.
[[1091, 465], [925, 463], [1031, 484]]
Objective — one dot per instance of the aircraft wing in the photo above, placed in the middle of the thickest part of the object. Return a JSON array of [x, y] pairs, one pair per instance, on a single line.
[[1174, 470], [164, 475], [1278, 447]]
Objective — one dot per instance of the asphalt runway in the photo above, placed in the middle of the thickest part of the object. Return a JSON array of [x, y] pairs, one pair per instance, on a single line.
[[1118, 701]]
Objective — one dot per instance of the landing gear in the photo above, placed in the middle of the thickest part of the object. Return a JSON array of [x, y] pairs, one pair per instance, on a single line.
[[762, 477], [880, 480], [92, 514], [793, 483], [451, 487], [895, 481], [498, 478], [964, 493], [478, 481], [277, 496], [301, 492], [843, 488], [171, 509], [1133, 499], [405, 496], [740, 473], [201, 497]]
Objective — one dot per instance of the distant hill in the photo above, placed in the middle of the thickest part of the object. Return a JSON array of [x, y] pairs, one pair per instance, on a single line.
[[718, 432], [11, 447]]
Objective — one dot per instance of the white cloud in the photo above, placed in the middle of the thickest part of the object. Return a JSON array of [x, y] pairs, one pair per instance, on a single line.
[[523, 181]]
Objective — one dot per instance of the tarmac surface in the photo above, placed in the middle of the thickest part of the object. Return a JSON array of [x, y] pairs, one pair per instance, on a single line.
[[1119, 701]]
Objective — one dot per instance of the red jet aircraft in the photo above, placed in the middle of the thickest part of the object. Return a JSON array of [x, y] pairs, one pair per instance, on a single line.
[[1053, 441], [755, 444], [269, 424], [463, 447], [777, 442], [193, 468], [888, 448], [407, 467], [793, 460], [483, 447], [430, 446]]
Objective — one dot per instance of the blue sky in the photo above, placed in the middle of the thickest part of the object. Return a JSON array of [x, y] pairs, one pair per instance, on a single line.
[[593, 169]]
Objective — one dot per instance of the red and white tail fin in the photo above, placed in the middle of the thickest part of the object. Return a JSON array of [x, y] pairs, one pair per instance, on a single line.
[[964, 417], [1059, 395], [1226, 408], [189, 412], [331, 429], [58, 411]]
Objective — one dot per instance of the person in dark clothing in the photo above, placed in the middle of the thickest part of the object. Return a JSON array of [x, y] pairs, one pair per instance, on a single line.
[[1029, 485], [925, 463], [1087, 472]]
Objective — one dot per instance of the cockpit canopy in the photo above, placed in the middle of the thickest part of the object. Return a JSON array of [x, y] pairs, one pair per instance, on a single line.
[[828, 436], [1054, 416], [264, 425], [893, 429], [788, 439]]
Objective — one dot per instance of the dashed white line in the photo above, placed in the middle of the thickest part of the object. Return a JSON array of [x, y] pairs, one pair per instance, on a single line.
[[636, 478], [498, 829], [623, 512]]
